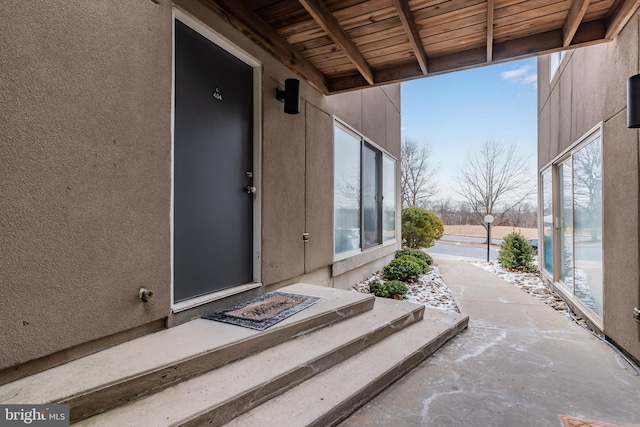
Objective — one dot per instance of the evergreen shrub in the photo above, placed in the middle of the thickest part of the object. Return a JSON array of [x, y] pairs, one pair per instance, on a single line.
[[389, 289], [516, 253], [421, 228], [403, 269]]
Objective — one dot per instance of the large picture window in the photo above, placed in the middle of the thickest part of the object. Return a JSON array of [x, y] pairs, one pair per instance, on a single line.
[[364, 193], [587, 225], [578, 225]]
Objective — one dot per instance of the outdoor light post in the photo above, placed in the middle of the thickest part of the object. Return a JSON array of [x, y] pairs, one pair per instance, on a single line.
[[488, 219]]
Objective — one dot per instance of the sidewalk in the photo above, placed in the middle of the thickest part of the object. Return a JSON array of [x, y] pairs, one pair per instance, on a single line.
[[520, 363]]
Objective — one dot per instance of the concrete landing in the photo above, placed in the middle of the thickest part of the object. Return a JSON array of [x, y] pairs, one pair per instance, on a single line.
[[520, 363], [216, 397], [110, 377]]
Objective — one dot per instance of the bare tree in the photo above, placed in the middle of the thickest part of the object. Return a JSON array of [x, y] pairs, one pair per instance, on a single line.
[[494, 180], [417, 185]]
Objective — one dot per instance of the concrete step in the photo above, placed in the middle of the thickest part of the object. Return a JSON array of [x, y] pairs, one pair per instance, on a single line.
[[154, 362], [333, 395], [219, 396]]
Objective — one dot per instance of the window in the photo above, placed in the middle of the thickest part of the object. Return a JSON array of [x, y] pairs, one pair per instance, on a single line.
[[578, 227], [555, 59], [566, 221], [547, 222], [587, 225], [364, 193], [389, 199], [346, 191]]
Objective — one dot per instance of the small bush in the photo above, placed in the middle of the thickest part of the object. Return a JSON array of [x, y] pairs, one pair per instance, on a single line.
[[389, 289], [420, 228], [402, 269], [417, 253], [516, 253], [424, 266]]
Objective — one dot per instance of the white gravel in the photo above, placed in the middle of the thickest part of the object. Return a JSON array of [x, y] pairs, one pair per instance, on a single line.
[[429, 290]]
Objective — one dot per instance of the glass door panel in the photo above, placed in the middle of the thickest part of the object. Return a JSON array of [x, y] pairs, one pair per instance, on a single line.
[[371, 199]]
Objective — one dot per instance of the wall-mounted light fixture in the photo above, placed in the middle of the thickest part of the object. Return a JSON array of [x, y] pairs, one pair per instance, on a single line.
[[290, 96], [633, 102]]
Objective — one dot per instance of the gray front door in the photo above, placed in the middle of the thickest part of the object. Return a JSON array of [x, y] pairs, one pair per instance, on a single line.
[[213, 161]]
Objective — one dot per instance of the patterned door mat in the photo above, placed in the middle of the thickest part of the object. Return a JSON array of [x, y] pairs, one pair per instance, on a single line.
[[264, 311]]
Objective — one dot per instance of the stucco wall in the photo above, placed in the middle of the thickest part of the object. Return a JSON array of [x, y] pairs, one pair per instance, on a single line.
[[590, 88], [84, 178], [85, 168]]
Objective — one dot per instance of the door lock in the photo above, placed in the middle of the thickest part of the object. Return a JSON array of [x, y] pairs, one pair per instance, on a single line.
[[250, 189]]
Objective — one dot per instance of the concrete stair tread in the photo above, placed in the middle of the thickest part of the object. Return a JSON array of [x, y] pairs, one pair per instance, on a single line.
[[222, 394], [331, 396], [170, 355]]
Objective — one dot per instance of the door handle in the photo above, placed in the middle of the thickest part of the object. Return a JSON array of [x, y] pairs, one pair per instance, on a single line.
[[250, 189]]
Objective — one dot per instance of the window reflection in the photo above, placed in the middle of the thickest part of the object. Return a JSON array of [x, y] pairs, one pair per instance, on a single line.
[[389, 199], [547, 221], [587, 222], [371, 198], [346, 191]]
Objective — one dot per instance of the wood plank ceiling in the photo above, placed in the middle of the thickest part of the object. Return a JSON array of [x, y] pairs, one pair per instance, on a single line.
[[342, 45]]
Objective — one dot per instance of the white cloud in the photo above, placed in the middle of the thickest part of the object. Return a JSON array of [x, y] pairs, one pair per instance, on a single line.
[[525, 75]]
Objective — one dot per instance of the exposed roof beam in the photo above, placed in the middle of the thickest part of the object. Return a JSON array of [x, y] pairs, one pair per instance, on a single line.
[[490, 9], [409, 24], [618, 16], [243, 18], [587, 34], [330, 25], [574, 18]]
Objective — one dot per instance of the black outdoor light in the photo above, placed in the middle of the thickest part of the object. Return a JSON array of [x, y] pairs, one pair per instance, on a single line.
[[633, 102], [290, 96]]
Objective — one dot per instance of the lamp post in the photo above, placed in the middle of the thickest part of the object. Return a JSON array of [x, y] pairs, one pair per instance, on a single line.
[[488, 219]]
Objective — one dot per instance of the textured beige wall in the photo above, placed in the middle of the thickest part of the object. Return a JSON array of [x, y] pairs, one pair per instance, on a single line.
[[620, 231], [590, 89], [318, 252], [85, 171]]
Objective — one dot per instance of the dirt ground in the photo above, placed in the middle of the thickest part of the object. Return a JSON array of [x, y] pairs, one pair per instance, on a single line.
[[496, 232]]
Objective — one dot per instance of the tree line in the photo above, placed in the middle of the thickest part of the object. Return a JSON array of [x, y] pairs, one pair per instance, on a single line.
[[495, 180]]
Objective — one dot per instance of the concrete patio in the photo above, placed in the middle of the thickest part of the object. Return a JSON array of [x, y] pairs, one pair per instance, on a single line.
[[520, 363]]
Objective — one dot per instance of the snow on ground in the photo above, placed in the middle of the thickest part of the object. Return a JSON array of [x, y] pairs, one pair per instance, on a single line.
[[429, 290]]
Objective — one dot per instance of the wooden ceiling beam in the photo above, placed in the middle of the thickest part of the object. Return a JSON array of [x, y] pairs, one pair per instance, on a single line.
[[574, 18], [330, 25], [409, 25], [618, 16], [243, 18], [587, 34], [490, 13], [550, 41]]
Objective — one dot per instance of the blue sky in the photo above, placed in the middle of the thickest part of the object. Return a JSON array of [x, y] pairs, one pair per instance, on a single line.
[[458, 111]]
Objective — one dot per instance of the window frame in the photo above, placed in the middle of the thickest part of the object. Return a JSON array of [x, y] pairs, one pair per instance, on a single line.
[[554, 64], [381, 155], [554, 166]]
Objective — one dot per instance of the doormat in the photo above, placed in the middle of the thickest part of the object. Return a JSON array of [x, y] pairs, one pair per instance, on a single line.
[[264, 311], [568, 421]]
